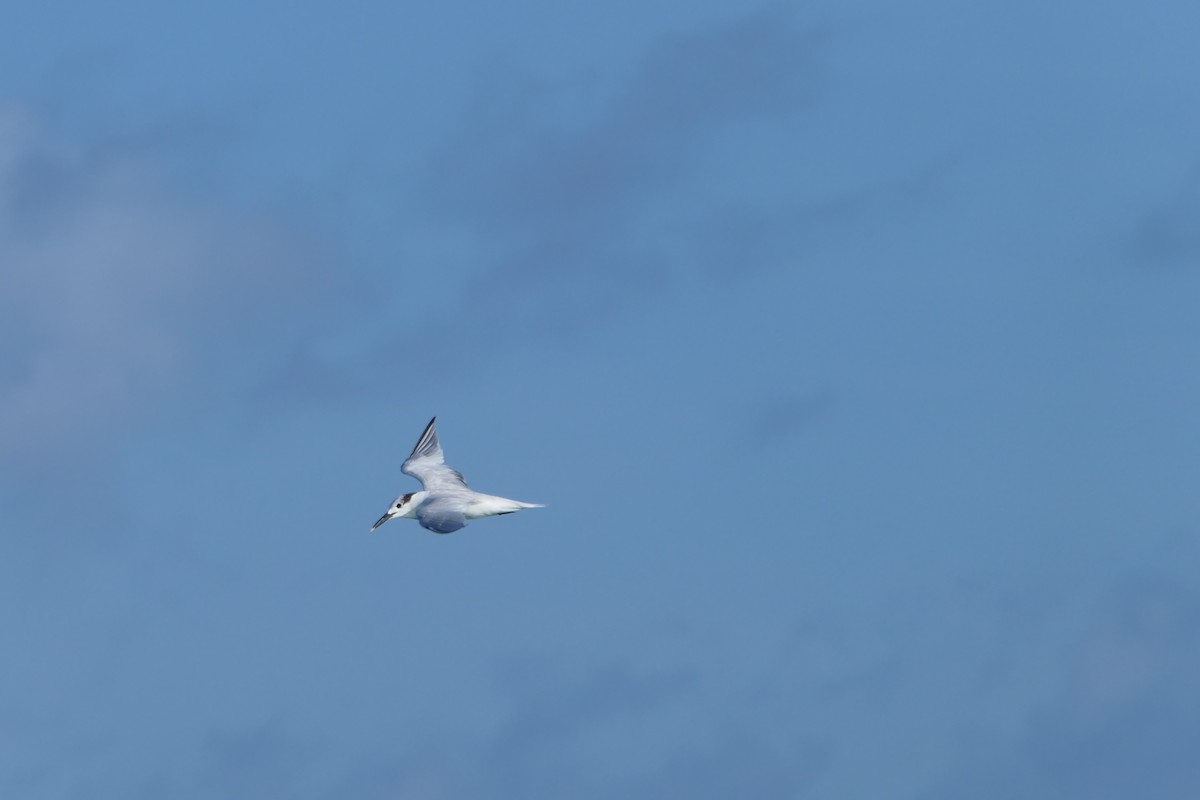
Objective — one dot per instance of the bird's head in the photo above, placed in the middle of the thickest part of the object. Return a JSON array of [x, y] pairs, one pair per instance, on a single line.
[[403, 506]]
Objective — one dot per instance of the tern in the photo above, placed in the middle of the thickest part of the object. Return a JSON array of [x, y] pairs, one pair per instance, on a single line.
[[445, 502]]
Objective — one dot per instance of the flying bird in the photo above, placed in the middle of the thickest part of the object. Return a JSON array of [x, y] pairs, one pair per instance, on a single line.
[[445, 502]]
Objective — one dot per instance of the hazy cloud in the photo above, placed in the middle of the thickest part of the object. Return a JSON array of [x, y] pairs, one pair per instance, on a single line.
[[557, 204], [514, 166], [738, 765], [1170, 234], [1125, 718], [570, 209], [122, 301]]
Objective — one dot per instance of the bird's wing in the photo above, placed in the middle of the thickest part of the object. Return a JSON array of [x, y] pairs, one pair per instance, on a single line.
[[428, 465], [441, 516]]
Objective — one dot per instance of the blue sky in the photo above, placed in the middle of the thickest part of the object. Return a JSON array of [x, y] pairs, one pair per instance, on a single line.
[[851, 346]]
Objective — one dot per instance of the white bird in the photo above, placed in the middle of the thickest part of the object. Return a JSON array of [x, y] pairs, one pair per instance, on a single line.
[[445, 503]]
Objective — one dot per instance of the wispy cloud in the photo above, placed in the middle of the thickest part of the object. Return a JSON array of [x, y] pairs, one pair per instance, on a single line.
[[569, 208], [516, 165], [123, 301], [1125, 713], [557, 204], [1170, 234]]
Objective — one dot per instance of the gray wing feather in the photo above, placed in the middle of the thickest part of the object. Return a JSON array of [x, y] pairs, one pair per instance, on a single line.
[[441, 517], [428, 465]]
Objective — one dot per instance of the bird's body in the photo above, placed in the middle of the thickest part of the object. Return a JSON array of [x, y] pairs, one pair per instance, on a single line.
[[445, 503]]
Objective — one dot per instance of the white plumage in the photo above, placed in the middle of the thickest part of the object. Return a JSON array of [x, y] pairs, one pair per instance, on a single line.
[[445, 503]]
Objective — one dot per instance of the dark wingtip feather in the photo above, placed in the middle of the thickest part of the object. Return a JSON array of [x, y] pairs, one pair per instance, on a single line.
[[426, 435]]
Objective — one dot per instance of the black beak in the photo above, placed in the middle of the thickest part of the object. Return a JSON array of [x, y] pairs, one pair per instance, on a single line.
[[382, 520]]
